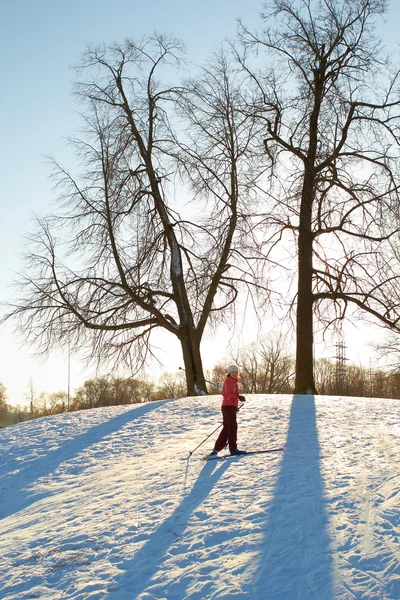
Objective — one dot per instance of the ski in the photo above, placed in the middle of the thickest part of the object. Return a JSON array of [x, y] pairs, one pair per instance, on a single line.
[[247, 453]]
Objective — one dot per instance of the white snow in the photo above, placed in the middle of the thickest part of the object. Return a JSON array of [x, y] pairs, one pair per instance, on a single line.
[[106, 503]]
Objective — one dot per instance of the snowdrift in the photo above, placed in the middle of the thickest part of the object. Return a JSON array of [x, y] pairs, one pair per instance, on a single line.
[[107, 503]]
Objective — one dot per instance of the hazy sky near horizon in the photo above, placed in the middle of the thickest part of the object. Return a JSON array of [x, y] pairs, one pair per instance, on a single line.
[[40, 42]]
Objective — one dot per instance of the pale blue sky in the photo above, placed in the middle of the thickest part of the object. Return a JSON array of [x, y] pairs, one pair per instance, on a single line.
[[40, 40]]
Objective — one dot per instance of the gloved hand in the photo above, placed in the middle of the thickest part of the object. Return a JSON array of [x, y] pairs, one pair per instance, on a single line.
[[242, 399]]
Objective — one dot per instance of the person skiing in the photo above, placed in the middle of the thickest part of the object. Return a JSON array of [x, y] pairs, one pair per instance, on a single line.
[[229, 408]]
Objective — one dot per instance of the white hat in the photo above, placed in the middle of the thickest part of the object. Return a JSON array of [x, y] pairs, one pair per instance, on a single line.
[[232, 368]]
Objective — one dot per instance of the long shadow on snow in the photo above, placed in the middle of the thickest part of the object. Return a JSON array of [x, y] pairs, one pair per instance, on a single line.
[[296, 561], [16, 483], [146, 562]]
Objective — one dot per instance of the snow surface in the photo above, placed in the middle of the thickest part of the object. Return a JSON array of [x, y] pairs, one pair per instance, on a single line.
[[106, 503]]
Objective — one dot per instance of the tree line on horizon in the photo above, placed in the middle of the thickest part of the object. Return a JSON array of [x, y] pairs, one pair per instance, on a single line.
[[265, 368], [269, 177]]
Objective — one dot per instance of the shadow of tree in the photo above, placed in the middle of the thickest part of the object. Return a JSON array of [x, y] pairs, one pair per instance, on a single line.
[[296, 562], [140, 570], [16, 483]]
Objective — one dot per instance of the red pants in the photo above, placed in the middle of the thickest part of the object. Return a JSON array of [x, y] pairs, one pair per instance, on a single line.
[[229, 429]]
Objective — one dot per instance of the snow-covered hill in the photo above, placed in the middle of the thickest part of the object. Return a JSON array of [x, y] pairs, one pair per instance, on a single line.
[[106, 503]]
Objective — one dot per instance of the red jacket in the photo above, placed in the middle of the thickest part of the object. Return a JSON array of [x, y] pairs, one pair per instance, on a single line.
[[230, 392]]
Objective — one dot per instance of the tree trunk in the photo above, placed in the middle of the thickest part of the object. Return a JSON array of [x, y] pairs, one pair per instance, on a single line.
[[304, 337], [195, 381]]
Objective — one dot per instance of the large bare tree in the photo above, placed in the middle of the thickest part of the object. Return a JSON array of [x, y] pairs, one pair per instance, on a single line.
[[133, 247], [329, 101]]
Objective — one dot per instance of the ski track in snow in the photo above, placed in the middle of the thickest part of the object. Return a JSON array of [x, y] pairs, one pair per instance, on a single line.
[[105, 503]]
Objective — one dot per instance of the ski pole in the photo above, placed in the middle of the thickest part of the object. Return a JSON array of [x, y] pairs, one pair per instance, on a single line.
[[206, 380], [219, 387], [201, 443]]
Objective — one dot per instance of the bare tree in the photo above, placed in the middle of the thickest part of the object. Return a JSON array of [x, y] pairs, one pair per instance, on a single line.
[[58, 402], [172, 385], [94, 393], [49, 403], [330, 107], [3, 401], [119, 260], [266, 367], [325, 376]]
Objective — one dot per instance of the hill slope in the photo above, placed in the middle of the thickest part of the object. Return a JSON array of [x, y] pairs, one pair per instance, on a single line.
[[106, 504]]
